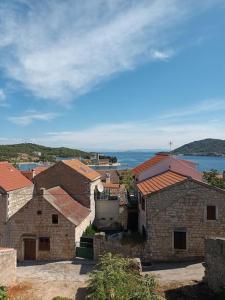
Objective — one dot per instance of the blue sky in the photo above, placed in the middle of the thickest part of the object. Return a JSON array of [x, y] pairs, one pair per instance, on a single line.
[[112, 74]]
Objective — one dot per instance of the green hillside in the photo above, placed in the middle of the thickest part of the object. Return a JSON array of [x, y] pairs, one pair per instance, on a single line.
[[208, 147], [13, 152]]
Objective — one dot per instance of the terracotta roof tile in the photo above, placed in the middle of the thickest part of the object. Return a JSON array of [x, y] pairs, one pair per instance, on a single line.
[[83, 169], [11, 178], [159, 182], [40, 169], [66, 205], [149, 163]]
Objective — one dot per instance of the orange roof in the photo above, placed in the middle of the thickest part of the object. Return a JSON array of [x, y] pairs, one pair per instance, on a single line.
[[159, 182], [11, 178], [40, 169], [149, 163], [83, 169], [67, 206], [111, 185]]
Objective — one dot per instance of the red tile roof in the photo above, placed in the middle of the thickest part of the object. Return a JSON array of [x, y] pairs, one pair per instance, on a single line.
[[83, 169], [149, 163], [66, 205], [11, 178], [159, 182], [39, 169]]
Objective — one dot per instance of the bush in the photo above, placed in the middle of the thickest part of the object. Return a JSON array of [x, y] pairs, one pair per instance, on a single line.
[[115, 278], [3, 293], [90, 231]]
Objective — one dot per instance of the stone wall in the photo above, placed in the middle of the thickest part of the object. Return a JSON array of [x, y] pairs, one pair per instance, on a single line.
[[18, 198], [7, 266], [102, 245], [182, 207], [215, 263], [34, 220]]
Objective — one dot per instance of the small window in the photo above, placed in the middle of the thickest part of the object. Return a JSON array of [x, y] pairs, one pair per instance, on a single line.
[[39, 212], [44, 244], [55, 219], [211, 212], [180, 240], [143, 203]]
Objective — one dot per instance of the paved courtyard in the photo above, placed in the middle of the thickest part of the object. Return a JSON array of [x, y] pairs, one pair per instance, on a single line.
[[45, 280]]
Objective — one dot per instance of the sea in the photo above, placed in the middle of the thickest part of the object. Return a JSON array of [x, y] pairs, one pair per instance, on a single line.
[[130, 159]]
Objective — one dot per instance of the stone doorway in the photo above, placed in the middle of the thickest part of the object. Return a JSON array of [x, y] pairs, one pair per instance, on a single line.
[[29, 249]]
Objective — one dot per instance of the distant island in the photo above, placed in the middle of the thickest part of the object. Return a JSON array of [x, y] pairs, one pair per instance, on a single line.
[[206, 147], [28, 152]]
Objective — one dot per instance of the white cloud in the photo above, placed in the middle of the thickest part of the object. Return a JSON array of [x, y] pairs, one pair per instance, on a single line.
[[30, 117], [2, 98], [60, 49]]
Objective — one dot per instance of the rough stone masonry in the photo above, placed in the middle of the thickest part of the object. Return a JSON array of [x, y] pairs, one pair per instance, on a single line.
[[215, 263], [7, 266]]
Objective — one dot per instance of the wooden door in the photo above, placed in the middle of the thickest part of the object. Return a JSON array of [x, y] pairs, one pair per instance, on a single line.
[[29, 249]]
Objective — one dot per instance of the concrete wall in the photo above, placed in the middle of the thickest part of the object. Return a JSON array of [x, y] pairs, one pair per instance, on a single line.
[[27, 223], [182, 207], [7, 266], [215, 263], [107, 213]]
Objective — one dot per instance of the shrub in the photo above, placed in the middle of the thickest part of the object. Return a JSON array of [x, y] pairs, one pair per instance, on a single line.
[[3, 293], [114, 278], [90, 231]]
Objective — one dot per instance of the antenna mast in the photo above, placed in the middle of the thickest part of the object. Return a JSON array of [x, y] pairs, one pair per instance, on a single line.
[[170, 144]]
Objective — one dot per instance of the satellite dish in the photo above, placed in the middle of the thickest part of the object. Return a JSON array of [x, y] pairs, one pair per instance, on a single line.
[[100, 187]]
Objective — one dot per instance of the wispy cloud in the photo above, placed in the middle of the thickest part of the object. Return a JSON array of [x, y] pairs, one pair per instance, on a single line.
[[2, 98], [212, 105], [61, 49], [30, 117]]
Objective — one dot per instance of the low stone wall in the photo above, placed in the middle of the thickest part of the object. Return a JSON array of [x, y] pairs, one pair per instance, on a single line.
[[7, 266], [215, 263], [102, 245]]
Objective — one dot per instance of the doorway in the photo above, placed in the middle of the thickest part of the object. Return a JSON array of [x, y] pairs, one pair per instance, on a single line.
[[29, 249]]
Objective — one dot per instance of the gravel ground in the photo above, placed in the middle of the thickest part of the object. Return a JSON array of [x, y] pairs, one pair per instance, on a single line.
[[45, 280]]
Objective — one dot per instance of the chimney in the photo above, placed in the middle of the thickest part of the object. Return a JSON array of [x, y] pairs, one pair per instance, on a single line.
[[107, 180]]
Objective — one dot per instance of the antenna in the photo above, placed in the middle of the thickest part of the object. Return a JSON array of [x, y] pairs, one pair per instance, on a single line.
[[170, 144]]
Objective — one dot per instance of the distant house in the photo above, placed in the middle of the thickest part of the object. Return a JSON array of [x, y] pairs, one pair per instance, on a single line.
[[112, 176], [177, 211], [15, 191]]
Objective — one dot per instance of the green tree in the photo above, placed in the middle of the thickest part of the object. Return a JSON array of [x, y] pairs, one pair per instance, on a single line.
[[128, 180], [212, 177], [117, 278]]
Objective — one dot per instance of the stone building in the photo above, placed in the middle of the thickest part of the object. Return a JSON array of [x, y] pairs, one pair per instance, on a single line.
[[177, 212], [48, 226], [15, 191], [76, 178]]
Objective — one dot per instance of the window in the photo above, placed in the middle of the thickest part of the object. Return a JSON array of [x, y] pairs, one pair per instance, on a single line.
[[143, 203], [44, 244], [180, 240], [211, 212], [39, 212], [55, 219]]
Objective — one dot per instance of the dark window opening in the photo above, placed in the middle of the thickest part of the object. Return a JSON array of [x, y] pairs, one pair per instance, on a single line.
[[211, 212], [143, 203], [44, 244], [180, 240], [55, 219], [144, 234], [39, 212]]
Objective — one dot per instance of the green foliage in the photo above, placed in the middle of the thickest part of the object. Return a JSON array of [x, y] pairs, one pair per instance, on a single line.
[[90, 231], [127, 179], [116, 278], [202, 147], [212, 178], [3, 293], [8, 152]]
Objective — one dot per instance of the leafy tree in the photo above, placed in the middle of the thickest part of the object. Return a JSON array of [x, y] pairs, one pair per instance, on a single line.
[[213, 179], [117, 278], [3, 293], [128, 180]]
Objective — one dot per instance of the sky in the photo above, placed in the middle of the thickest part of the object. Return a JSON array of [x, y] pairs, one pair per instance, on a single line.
[[112, 74]]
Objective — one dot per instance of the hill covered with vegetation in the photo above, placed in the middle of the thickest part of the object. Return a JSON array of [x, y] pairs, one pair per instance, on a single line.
[[206, 147], [34, 152]]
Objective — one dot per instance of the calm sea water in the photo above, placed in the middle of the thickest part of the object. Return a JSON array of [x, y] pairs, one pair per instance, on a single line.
[[130, 159]]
